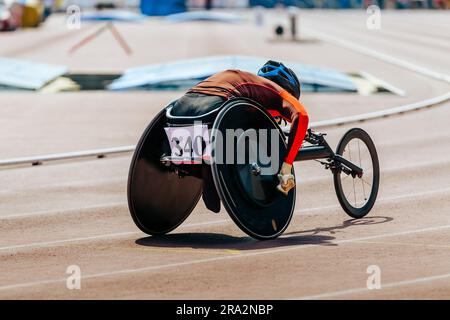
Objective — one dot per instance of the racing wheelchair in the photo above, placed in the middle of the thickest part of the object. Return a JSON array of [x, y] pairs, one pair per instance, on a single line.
[[167, 178]]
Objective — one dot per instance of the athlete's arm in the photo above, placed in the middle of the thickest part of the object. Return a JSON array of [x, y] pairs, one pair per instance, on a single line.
[[296, 112]]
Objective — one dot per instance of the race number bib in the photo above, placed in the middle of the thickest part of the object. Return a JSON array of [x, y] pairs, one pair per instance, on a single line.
[[187, 143]]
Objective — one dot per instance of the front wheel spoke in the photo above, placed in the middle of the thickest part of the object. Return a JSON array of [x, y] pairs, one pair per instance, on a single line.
[[362, 184], [364, 153], [368, 170], [369, 184], [364, 191], [349, 152], [354, 191], [348, 194], [359, 153]]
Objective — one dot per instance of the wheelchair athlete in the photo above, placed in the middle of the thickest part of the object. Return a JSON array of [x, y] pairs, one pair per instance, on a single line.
[[276, 88]]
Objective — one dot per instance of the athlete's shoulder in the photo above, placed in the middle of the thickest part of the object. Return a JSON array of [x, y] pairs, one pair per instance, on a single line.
[[241, 77], [237, 72], [245, 74], [237, 76]]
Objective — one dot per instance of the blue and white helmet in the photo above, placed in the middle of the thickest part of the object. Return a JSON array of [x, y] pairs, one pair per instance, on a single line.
[[281, 75]]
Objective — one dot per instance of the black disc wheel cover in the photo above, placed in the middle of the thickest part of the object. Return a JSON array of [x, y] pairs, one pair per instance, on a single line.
[[159, 199], [251, 199]]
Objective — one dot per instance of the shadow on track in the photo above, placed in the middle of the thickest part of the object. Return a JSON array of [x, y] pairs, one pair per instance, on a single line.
[[346, 224], [223, 241]]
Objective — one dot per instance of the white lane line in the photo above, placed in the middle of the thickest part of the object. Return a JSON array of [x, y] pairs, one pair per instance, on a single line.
[[380, 36], [80, 184], [319, 124], [38, 159], [382, 83], [67, 241], [216, 259], [63, 211], [378, 55], [97, 237], [382, 113], [366, 290], [205, 223], [409, 244], [387, 59], [387, 171], [303, 183]]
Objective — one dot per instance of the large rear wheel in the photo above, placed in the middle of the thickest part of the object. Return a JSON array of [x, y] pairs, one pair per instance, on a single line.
[[249, 148], [159, 198]]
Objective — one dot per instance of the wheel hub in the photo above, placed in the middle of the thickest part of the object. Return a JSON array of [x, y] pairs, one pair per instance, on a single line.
[[255, 169]]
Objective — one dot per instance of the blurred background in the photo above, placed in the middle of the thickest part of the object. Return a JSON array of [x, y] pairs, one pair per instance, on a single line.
[[80, 77], [101, 58], [29, 13]]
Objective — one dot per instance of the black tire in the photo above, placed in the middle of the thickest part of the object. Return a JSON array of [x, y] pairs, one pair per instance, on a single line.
[[158, 199], [354, 137], [252, 200]]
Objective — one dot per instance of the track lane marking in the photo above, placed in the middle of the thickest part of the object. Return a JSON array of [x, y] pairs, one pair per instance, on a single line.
[[216, 259], [386, 58], [424, 165], [205, 223], [216, 251], [67, 241], [350, 45], [303, 182], [326, 123], [63, 211], [409, 244], [366, 290]]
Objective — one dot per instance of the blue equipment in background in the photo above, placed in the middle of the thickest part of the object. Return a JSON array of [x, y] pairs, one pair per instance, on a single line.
[[162, 8]]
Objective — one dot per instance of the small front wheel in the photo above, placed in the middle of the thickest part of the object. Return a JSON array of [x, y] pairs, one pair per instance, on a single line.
[[357, 195]]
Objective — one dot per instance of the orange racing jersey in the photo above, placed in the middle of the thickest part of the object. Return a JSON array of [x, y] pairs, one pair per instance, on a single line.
[[236, 83]]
